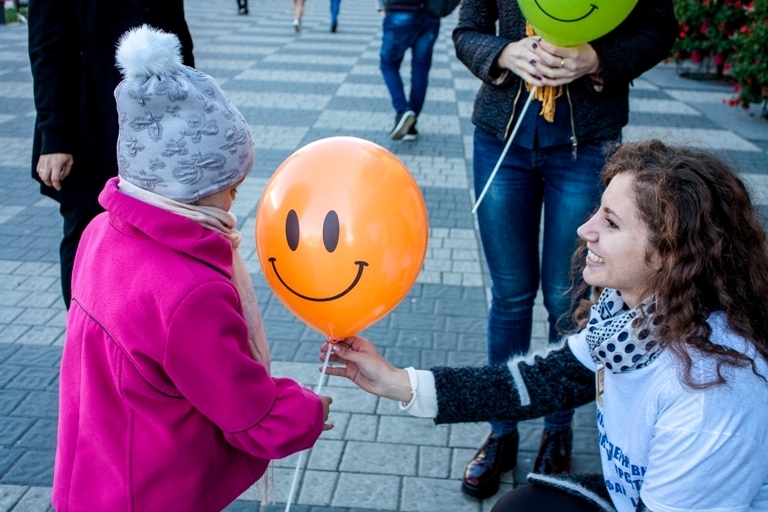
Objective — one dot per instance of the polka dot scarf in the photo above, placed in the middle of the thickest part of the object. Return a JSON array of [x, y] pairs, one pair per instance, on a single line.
[[612, 337]]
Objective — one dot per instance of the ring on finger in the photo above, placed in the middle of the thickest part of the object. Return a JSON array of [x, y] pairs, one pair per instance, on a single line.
[[562, 60]]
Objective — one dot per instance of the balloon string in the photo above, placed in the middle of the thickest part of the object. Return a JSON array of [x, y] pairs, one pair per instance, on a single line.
[[506, 148], [301, 454]]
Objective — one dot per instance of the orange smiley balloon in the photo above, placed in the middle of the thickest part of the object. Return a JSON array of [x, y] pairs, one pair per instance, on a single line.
[[341, 234]]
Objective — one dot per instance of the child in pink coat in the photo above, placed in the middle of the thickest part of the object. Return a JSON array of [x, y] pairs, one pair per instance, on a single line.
[[166, 401]]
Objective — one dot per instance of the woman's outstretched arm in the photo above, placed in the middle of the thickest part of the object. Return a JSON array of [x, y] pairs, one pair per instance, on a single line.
[[523, 388]]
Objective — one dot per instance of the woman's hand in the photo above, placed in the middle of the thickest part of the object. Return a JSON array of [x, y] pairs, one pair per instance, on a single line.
[[541, 63], [364, 366]]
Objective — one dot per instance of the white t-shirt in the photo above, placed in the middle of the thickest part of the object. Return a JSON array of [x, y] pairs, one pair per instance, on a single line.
[[679, 449]]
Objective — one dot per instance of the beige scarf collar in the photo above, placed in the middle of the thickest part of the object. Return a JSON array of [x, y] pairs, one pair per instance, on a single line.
[[223, 223]]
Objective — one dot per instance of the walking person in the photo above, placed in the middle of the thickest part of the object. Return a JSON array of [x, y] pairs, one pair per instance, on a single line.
[[335, 6], [74, 75], [674, 350], [407, 24], [166, 399], [554, 162], [298, 12]]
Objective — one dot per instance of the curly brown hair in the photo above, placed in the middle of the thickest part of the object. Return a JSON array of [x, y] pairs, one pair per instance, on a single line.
[[711, 245]]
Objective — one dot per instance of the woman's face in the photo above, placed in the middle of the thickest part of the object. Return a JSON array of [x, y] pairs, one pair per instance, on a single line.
[[617, 243]]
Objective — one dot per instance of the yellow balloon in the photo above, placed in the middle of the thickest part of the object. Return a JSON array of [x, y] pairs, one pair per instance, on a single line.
[[574, 22], [341, 234]]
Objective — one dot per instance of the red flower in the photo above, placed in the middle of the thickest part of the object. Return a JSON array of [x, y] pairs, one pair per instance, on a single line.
[[738, 5], [704, 26], [718, 59], [695, 56], [737, 88]]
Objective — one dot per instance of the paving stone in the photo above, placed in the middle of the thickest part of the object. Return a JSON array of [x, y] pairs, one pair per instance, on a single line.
[[9, 314], [404, 430], [38, 404], [8, 456], [434, 461], [379, 492], [41, 436], [317, 487], [49, 357], [36, 499], [12, 298], [8, 373], [429, 494], [9, 399], [7, 351], [378, 457], [10, 495], [352, 400], [33, 467], [340, 422], [40, 335], [33, 378], [325, 455], [362, 427]]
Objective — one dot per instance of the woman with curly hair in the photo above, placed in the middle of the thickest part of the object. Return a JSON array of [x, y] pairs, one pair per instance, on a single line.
[[674, 349]]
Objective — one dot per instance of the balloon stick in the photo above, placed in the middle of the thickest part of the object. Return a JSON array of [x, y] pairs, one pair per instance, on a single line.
[[301, 454], [506, 148]]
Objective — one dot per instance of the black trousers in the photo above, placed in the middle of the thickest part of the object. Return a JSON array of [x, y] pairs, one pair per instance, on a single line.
[[534, 498], [75, 221]]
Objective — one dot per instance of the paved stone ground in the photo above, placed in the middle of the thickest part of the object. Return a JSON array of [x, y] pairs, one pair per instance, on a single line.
[[294, 89]]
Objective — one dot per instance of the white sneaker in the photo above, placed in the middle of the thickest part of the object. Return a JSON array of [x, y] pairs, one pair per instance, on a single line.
[[296, 25]]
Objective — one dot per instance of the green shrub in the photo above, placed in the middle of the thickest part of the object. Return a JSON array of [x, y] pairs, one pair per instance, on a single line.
[[708, 30], [749, 67]]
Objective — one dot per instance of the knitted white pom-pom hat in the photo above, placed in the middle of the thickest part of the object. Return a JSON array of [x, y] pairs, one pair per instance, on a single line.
[[180, 136]]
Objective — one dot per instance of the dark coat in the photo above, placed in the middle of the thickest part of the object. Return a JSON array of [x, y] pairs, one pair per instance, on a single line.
[[72, 51], [635, 46]]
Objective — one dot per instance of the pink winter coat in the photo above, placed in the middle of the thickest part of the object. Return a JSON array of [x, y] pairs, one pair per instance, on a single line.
[[161, 406]]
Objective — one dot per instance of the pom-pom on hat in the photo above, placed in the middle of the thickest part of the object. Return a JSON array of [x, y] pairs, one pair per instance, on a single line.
[[180, 136]]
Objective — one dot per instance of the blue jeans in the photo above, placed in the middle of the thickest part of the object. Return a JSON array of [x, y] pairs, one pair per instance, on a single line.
[[402, 30], [335, 4], [509, 219]]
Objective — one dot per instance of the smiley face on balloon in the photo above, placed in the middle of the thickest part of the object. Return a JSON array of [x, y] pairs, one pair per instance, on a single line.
[[341, 234], [574, 22]]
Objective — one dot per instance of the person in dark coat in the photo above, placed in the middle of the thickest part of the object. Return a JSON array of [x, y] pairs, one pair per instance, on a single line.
[[72, 53]]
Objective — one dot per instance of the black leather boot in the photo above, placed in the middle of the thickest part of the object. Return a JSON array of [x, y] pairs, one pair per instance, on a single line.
[[554, 452], [498, 454]]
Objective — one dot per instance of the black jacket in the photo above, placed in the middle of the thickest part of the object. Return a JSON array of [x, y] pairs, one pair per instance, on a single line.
[[639, 43], [72, 51]]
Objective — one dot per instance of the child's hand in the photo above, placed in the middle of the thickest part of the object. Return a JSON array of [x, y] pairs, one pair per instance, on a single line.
[[364, 366], [327, 401]]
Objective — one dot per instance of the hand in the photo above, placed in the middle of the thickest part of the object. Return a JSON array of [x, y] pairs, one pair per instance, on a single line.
[[53, 168], [364, 366], [327, 401], [541, 63]]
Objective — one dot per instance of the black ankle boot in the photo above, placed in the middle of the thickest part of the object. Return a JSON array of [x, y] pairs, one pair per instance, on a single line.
[[498, 454]]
